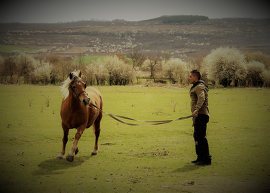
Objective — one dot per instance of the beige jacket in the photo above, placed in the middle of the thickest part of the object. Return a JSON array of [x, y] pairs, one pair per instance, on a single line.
[[199, 98]]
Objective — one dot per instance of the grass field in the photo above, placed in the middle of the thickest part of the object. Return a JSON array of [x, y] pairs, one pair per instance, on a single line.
[[15, 48], [135, 159]]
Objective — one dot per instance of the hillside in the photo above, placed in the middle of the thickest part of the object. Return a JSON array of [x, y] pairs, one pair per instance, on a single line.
[[177, 19], [177, 35]]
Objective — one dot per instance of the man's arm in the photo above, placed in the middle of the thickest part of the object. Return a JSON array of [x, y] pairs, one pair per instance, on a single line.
[[201, 98]]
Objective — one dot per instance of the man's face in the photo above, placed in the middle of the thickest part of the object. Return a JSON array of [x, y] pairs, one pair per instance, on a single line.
[[192, 78]]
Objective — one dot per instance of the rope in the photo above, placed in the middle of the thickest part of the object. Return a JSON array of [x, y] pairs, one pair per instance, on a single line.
[[120, 118]]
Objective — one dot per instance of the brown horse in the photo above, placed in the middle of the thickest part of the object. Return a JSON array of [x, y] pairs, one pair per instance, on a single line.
[[76, 112]]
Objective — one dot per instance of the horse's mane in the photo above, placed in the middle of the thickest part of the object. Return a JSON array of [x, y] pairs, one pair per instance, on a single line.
[[65, 84]]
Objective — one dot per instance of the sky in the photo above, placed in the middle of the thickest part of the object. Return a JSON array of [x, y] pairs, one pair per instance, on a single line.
[[50, 11]]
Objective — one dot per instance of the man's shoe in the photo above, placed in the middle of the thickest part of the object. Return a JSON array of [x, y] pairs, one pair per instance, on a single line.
[[195, 161], [203, 162]]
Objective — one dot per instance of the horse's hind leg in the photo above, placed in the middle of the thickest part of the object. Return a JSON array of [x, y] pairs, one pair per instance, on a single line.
[[97, 132], [65, 140]]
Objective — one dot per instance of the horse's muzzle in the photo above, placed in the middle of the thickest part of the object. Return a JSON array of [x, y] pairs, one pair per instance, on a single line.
[[86, 101]]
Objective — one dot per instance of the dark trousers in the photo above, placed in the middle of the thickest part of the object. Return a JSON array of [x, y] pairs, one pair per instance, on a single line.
[[201, 143]]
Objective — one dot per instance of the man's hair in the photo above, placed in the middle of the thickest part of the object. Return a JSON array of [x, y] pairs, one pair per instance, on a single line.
[[196, 73]]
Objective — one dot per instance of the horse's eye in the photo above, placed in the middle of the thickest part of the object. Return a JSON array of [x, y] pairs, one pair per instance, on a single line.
[[84, 85]]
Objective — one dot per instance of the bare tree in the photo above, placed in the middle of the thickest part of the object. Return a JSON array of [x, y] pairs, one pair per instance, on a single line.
[[61, 66], [9, 69], [165, 56], [137, 57], [153, 63], [25, 66]]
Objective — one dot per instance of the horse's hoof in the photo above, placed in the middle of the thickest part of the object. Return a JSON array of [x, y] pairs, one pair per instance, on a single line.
[[76, 151], [94, 153], [60, 156], [70, 158]]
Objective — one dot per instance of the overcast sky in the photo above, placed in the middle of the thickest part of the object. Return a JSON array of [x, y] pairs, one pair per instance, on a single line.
[[132, 10]]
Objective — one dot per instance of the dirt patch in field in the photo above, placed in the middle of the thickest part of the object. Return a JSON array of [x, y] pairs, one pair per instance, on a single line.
[[156, 153], [107, 143]]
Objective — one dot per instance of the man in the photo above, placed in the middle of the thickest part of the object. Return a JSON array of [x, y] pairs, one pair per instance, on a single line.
[[200, 112]]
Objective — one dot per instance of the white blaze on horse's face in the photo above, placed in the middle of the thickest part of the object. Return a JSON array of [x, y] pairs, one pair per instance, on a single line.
[[78, 87], [83, 96]]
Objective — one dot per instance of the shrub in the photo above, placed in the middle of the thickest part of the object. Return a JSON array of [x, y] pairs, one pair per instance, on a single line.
[[90, 74], [101, 74], [96, 73], [119, 72], [176, 70], [42, 73], [259, 57], [2, 66], [226, 66], [266, 78], [254, 73]]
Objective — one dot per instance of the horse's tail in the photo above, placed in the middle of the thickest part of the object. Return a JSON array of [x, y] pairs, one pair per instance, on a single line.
[[101, 102]]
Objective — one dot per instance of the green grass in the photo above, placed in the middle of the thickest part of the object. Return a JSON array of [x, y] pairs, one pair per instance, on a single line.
[[16, 48], [135, 159]]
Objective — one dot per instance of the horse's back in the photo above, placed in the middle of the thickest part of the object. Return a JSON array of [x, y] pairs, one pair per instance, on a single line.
[[95, 96], [96, 99]]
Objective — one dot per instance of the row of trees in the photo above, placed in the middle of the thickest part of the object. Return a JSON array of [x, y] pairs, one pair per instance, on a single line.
[[26, 69], [223, 66], [54, 69]]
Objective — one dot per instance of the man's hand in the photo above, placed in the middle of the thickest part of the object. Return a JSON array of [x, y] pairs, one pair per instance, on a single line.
[[195, 113]]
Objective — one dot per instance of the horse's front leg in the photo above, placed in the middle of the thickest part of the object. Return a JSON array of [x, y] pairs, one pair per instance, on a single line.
[[74, 147], [64, 140]]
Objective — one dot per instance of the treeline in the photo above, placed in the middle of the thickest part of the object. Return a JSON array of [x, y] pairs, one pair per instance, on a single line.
[[222, 66], [53, 69]]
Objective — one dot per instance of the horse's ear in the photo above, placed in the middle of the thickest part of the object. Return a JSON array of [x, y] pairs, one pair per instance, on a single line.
[[80, 74], [71, 76]]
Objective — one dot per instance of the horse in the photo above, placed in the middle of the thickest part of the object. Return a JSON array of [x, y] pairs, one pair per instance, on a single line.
[[77, 112]]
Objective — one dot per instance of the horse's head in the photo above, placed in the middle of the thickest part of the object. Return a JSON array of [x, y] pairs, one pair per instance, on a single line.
[[77, 87]]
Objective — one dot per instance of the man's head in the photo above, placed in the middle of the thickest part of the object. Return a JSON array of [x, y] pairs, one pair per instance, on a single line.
[[194, 76]]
